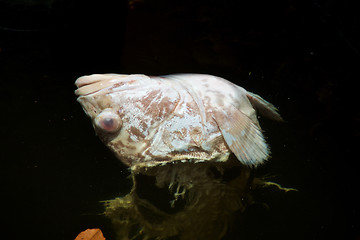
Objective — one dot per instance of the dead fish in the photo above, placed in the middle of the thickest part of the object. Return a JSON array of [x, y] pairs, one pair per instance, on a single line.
[[153, 120]]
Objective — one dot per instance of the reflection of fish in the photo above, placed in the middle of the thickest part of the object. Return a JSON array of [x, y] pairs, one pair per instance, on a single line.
[[149, 121]]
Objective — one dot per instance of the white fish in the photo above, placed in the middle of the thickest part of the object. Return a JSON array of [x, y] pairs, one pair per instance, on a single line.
[[148, 121]]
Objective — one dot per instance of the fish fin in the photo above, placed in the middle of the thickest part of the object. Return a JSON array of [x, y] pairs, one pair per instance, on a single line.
[[263, 107], [242, 136]]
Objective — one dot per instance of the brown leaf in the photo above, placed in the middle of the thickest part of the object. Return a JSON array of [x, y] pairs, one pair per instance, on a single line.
[[90, 234]]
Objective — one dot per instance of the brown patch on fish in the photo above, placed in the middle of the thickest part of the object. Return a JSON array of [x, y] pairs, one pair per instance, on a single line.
[[134, 131], [158, 106]]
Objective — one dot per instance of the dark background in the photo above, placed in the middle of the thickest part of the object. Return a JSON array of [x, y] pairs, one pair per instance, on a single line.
[[301, 55]]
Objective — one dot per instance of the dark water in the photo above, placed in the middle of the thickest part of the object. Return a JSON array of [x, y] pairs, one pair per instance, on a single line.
[[303, 56]]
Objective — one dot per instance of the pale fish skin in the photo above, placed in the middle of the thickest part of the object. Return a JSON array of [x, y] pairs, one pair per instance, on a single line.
[[153, 120]]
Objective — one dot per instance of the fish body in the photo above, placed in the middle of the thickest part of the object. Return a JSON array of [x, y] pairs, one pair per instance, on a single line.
[[153, 120]]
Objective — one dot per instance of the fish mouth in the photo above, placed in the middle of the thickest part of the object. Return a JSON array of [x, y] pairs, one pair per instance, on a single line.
[[93, 83]]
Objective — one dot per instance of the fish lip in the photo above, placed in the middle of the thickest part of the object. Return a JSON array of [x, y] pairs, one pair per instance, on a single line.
[[98, 82], [82, 81], [93, 83], [93, 78]]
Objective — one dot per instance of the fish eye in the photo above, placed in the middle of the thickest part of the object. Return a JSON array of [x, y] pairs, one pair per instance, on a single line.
[[108, 121]]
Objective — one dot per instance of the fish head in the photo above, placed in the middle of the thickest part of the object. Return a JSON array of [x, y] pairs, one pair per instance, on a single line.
[[125, 111]]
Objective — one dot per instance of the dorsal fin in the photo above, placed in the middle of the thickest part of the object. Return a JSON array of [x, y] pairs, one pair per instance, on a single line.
[[263, 107]]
